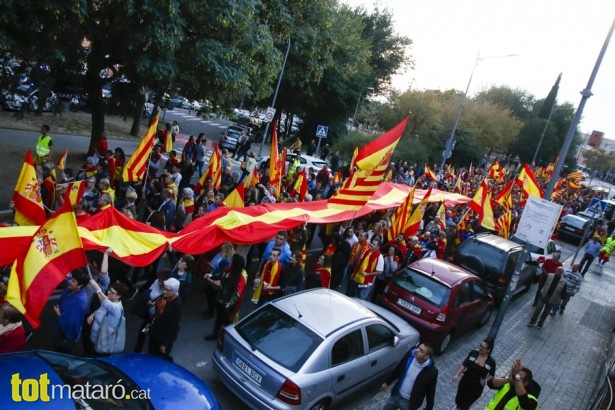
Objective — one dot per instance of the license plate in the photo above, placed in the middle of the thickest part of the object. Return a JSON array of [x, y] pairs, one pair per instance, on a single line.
[[247, 370], [412, 308]]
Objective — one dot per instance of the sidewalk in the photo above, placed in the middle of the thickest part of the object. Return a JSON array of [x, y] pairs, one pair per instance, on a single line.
[[567, 356]]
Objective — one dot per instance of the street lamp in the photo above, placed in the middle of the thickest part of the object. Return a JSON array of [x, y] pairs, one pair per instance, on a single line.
[[275, 96], [450, 144], [369, 90]]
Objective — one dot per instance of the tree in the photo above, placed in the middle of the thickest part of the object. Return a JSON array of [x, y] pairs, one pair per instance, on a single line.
[[549, 104], [519, 102]]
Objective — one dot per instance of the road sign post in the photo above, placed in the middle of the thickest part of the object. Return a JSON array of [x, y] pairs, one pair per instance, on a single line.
[[321, 132]]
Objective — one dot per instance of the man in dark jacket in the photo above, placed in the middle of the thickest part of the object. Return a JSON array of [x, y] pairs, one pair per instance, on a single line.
[[416, 376]]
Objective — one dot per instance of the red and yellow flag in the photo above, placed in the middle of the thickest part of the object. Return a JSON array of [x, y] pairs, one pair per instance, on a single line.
[[497, 172], [481, 204], [441, 214], [214, 170], [504, 197], [527, 182], [54, 251], [414, 222], [74, 192], [236, 197], [27, 196], [430, 174], [168, 141], [353, 161], [253, 179], [275, 173], [300, 187], [135, 167], [503, 224], [401, 215], [371, 162], [337, 177], [458, 186], [62, 160]]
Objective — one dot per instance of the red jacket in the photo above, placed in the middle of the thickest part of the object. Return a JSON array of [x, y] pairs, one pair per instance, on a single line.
[[13, 341]]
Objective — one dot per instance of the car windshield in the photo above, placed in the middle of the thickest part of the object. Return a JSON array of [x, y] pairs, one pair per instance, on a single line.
[[533, 248], [76, 371], [280, 337], [423, 287]]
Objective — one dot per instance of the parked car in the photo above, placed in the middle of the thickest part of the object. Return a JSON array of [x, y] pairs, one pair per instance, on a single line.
[[230, 137], [310, 350], [439, 299], [170, 386], [493, 259], [306, 162], [27, 97], [574, 228], [538, 254]]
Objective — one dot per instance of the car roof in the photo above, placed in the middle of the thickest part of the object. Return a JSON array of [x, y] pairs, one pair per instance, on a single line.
[[497, 241], [440, 270], [323, 310]]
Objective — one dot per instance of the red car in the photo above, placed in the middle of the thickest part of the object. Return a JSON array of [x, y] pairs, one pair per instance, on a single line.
[[439, 299]]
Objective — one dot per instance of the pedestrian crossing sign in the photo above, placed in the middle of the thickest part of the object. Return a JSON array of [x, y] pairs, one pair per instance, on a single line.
[[596, 206], [321, 131]]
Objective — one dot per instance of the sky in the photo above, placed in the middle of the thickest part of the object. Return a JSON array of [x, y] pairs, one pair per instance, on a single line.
[[548, 37]]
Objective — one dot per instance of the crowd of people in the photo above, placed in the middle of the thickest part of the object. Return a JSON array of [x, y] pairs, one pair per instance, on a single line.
[[358, 257]]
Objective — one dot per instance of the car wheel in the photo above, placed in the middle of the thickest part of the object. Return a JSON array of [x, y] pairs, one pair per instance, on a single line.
[[321, 405], [446, 341], [485, 318]]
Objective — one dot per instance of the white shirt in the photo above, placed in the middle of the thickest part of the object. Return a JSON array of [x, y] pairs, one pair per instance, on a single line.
[[405, 389]]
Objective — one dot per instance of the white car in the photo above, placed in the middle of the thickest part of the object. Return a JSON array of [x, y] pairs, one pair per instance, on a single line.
[[306, 161], [538, 255], [311, 350]]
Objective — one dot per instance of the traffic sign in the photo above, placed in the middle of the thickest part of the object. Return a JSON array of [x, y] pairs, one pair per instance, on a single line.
[[596, 206], [269, 114], [447, 153], [322, 131]]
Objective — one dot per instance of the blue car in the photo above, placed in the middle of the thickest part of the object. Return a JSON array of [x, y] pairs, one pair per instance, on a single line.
[[42, 379]]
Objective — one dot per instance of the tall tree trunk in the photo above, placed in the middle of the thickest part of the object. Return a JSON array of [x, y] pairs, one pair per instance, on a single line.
[[93, 87], [138, 114]]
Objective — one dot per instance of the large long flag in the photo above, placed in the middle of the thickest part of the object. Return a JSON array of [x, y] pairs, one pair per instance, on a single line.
[[135, 168], [214, 171], [401, 215], [54, 251], [371, 162], [275, 173], [527, 182], [414, 222], [27, 196]]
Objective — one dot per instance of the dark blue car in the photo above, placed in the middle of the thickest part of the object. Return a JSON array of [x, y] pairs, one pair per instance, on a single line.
[[42, 379]]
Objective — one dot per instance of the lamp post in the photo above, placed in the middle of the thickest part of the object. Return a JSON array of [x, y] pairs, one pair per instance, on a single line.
[[369, 90], [450, 144], [275, 96]]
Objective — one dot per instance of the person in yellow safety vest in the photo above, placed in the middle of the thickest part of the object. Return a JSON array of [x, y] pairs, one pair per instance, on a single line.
[[518, 391], [293, 168], [43, 146], [605, 253]]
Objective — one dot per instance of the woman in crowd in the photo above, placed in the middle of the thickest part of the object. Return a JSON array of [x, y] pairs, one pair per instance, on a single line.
[[111, 308], [293, 274], [477, 368], [165, 325], [12, 332], [231, 290]]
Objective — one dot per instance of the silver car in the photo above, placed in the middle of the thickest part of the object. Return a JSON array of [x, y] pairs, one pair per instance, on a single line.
[[311, 350]]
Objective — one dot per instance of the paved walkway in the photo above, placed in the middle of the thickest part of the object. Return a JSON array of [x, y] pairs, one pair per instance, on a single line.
[[567, 356]]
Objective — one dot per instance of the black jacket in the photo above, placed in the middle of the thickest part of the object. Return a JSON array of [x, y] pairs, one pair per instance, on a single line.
[[424, 385]]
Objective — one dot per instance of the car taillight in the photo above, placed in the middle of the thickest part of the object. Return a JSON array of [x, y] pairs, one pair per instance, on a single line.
[[442, 315], [541, 259], [580, 231], [290, 393]]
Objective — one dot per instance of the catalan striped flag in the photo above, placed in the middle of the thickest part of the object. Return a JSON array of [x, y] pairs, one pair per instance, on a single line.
[[401, 215], [27, 196], [414, 222], [62, 160], [503, 223], [137, 164], [371, 162], [504, 197], [54, 251], [353, 161]]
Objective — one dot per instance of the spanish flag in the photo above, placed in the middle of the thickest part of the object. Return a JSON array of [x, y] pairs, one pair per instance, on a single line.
[[54, 251], [253, 179], [527, 182], [458, 186], [74, 192], [430, 174], [27, 196], [481, 204], [401, 215], [137, 164], [275, 173], [300, 187], [62, 161], [412, 225], [236, 197], [214, 170], [371, 162], [441, 214]]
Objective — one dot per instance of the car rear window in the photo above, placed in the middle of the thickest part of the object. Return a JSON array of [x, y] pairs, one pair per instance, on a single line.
[[423, 287], [489, 255], [279, 336], [575, 222]]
